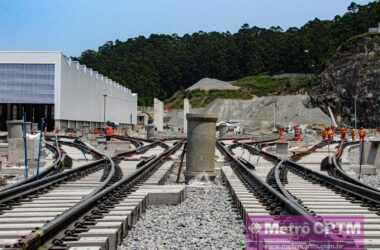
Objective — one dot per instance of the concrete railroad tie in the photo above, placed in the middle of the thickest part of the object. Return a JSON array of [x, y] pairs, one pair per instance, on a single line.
[[244, 199], [110, 230]]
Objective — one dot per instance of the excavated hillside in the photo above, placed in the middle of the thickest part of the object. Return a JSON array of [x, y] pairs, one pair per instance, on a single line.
[[259, 112], [353, 73]]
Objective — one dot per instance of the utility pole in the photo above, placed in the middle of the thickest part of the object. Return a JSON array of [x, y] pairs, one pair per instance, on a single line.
[[361, 158], [104, 108], [274, 116], [26, 170], [355, 110], [42, 128]]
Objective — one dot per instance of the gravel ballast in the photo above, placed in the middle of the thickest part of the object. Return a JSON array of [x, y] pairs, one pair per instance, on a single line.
[[353, 159], [205, 220]]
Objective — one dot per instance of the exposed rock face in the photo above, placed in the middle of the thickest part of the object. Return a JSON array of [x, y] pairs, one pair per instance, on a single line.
[[353, 72], [258, 112]]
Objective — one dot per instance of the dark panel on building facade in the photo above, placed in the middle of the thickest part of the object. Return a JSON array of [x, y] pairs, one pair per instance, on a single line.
[[27, 83], [27, 89]]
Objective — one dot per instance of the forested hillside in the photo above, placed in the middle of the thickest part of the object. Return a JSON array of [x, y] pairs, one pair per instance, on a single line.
[[160, 65]]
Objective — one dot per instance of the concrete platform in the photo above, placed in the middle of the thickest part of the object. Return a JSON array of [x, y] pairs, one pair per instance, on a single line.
[[366, 169]]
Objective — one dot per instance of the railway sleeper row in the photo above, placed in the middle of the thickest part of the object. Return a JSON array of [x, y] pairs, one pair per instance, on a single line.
[[28, 210], [101, 221], [107, 229], [103, 233], [323, 195]]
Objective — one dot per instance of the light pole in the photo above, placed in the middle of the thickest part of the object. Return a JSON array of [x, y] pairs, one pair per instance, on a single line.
[[275, 115], [355, 112], [104, 108]]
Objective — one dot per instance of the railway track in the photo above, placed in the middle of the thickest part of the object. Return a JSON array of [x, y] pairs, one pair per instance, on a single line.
[[322, 195], [303, 189], [250, 192], [117, 206], [44, 200], [94, 209], [333, 166], [59, 158]]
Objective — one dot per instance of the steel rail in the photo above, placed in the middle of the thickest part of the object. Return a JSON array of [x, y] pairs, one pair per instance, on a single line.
[[276, 176], [58, 159], [275, 198], [41, 184], [289, 202], [137, 141], [335, 169], [41, 235], [134, 140], [358, 192]]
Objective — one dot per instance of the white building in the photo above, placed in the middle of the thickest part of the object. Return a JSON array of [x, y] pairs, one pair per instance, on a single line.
[[374, 30], [51, 85]]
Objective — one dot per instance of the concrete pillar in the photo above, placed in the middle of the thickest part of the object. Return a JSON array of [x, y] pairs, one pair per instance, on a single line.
[[14, 129], [282, 149], [150, 131], [78, 124], [158, 114], [201, 141], [222, 130], [35, 127], [16, 142], [369, 153], [85, 131], [65, 124], [28, 127], [186, 110], [57, 124], [71, 124]]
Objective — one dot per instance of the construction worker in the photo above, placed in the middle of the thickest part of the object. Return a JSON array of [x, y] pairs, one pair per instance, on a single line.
[[362, 134], [109, 134], [330, 134], [324, 134], [281, 132], [297, 133], [353, 134], [343, 134]]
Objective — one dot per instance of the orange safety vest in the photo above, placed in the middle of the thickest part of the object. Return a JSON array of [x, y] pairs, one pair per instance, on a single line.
[[343, 133], [330, 134], [109, 131], [362, 134], [324, 134]]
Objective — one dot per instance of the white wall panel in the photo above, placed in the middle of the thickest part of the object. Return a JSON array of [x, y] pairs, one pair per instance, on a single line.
[[81, 97], [78, 91]]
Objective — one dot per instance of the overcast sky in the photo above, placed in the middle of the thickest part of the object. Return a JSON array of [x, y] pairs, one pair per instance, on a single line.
[[71, 26]]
